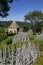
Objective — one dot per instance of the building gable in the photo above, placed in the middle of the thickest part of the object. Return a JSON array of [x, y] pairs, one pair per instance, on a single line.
[[13, 25]]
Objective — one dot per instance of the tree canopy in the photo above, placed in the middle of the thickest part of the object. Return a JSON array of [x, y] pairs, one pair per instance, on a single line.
[[4, 7], [25, 28], [34, 17]]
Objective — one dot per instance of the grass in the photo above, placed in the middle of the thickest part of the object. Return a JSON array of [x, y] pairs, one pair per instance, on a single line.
[[32, 39], [39, 61], [36, 41], [6, 42]]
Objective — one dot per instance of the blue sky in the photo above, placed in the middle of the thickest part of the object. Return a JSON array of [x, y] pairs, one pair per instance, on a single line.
[[22, 7]]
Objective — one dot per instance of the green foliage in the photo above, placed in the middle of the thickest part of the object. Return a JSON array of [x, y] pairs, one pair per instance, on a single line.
[[7, 41], [39, 61], [34, 17], [38, 27], [3, 36], [2, 30], [10, 33], [31, 38], [36, 41], [25, 28], [5, 24], [4, 7]]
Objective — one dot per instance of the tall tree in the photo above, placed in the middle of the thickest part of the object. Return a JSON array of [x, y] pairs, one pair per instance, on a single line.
[[34, 17], [4, 7]]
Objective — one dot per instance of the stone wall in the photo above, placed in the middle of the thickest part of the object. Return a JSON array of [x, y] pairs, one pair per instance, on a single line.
[[25, 54]]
